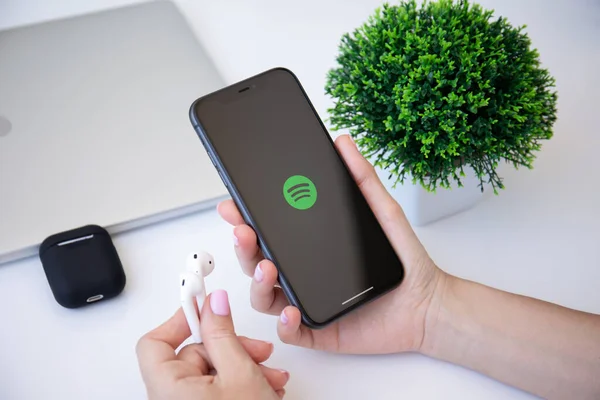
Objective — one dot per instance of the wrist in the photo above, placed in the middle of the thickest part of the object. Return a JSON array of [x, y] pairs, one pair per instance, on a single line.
[[437, 321]]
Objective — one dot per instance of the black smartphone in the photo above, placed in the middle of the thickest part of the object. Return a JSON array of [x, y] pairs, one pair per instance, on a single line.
[[293, 188]]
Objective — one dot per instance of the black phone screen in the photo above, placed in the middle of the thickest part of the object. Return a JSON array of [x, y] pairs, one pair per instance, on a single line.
[[302, 201]]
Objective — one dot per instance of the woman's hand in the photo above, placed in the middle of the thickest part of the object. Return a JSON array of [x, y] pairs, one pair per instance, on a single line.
[[225, 366], [393, 323], [545, 349]]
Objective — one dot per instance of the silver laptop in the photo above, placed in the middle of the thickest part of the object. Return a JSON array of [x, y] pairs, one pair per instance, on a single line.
[[94, 124]]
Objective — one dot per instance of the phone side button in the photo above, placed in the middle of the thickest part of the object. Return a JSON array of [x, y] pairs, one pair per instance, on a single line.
[[212, 159], [221, 175]]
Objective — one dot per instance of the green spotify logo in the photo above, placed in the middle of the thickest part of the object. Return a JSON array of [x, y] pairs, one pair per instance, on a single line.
[[300, 192]]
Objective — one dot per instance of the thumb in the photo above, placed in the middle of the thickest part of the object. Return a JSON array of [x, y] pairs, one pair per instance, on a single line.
[[388, 212], [220, 340]]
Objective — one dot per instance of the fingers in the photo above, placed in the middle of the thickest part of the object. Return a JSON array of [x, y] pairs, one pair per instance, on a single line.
[[258, 350], [159, 345], [246, 248], [277, 378], [224, 349], [387, 211], [197, 355], [230, 213], [264, 296], [244, 237], [291, 331]]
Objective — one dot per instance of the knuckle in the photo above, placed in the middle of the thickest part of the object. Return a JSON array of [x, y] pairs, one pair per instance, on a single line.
[[392, 211], [139, 346], [257, 301], [287, 339], [366, 176], [370, 171], [221, 333], [248, 371]]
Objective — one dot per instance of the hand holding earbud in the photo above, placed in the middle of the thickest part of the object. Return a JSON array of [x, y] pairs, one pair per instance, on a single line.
[[225, 366], [198, 266]]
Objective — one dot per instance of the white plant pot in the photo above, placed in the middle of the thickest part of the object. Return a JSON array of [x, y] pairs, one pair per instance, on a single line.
[[422, 207]]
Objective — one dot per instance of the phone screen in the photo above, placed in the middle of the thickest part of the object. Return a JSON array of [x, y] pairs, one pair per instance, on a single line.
[[274, 151]]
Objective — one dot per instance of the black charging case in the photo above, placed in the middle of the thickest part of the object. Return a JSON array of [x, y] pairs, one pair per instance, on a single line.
[[82, 266]]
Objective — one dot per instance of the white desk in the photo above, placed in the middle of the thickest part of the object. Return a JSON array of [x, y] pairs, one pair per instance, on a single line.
[[540, 237]]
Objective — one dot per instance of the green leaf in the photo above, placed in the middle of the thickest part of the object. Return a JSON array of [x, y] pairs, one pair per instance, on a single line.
[[430, 88]]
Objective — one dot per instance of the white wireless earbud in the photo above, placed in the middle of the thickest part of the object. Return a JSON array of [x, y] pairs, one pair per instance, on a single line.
[[198, 266], [201, 263]]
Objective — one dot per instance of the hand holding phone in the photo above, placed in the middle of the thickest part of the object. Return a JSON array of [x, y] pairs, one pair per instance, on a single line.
[[393, 323], [295, 191]]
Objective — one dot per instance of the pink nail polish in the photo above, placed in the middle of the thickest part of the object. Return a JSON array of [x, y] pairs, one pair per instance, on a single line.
[[236, 241], [219, 303], [284, 318], [258, 274]]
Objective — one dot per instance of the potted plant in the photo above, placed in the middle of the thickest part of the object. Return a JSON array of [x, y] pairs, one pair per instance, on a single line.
[[437, 96]]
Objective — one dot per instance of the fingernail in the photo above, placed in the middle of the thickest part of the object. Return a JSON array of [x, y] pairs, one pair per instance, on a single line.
[[236, 241], [272, 347], [283, 317], [219, 302], [258, 274]]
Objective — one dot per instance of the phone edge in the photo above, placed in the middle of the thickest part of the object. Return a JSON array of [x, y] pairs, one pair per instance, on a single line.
[[237, 198], [286, 287]]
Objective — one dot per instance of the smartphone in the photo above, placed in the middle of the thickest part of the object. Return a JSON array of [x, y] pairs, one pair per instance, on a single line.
[[292, 187]]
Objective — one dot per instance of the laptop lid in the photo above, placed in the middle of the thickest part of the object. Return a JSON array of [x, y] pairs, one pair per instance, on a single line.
[[94, 124]]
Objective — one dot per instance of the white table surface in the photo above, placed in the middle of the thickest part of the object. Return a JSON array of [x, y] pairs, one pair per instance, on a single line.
[[540, 237]]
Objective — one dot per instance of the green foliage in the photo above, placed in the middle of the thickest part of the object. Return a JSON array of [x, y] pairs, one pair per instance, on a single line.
[[426, 90]]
